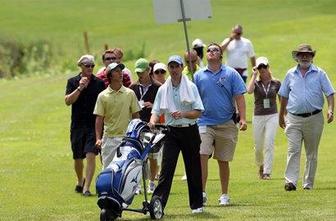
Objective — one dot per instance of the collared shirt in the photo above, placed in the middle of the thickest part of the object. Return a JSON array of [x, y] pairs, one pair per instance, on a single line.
[[189, 74], [117, 108], [146, 95], [81, 110], [183, 107], [217, 91], [305, 94]]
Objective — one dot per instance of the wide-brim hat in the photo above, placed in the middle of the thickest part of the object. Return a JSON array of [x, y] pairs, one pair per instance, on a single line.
[[303, 48]]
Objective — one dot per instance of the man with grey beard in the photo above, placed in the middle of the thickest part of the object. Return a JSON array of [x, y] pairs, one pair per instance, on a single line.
[[302, 102]]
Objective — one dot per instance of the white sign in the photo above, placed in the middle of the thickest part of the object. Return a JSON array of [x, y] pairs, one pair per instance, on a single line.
[[169, 11]]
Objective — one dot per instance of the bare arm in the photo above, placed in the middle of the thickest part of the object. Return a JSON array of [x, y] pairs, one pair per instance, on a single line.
[[251, 85], [331, 104], [282, 112], [153, 120], [253, 61], [135, 115], [225, 43], [99, 130], [72, 98], [240, 101]]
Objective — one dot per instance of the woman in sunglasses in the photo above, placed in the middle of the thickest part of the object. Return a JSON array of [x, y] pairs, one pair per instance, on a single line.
[[265, 119]]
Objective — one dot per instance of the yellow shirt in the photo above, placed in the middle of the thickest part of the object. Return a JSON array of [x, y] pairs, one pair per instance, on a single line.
[[189, 74], [117, 108]]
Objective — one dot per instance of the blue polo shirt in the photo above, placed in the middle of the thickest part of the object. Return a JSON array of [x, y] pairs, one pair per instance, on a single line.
[[217, 91], [305, 94]]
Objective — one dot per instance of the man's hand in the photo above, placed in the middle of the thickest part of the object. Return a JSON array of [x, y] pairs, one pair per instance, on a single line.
[[242, 125], [330, 116], [282, 122], [98, 143], [83, 83]]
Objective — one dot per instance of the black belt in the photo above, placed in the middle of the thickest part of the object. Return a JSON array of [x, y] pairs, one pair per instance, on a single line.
[[308, 114], [182, 125]]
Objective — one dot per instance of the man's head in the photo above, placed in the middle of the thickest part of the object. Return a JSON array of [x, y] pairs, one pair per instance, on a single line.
[[214, 53], [304, 55], [237, 32], [142, 69], [191, 60], [86, 63], [175, 67], [112, 55], [114, 72]]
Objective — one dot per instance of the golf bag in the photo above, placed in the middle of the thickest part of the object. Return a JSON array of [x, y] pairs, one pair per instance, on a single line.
[[116, 185]]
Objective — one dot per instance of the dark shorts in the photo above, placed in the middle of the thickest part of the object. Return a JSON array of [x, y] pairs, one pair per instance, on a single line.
[[83, 141]]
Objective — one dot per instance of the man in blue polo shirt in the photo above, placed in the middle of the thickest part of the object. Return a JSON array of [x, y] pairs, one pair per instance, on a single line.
[[302, 98], [221, 88]]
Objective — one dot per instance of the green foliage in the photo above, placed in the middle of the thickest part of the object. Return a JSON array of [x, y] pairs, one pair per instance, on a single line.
[[36, 170]]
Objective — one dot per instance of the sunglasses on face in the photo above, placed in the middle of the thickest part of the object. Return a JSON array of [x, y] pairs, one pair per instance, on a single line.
[[110, 58], [262, 66], [89, 65], [212, 50], [160, 72]]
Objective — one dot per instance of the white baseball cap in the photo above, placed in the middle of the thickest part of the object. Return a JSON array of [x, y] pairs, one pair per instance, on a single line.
[[159, 66], [197, 43], [261, 60]]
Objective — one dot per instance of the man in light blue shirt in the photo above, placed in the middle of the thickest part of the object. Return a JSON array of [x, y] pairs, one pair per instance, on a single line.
[[220, 88], [302, 100], [179, 101]]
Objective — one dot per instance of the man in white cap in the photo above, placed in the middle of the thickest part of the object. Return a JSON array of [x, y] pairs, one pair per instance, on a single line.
[[114, 109], [81, 93], [239, 50], [179, 101], [302, 100]]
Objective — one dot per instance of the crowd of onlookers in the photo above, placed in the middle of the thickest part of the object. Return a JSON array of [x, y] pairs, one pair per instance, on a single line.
[[202, 101]]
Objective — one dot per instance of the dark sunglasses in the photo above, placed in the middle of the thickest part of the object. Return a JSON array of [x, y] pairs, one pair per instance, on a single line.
[[110, 58], [89, 65], [213, 50], [160, 72], [262, 66]]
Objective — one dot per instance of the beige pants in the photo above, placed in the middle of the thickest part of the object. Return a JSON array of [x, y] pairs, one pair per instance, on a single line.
[[307, 130], [109, 149]]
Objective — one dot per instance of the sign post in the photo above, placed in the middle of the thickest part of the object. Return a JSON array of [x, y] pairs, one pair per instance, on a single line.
[[171, 11]]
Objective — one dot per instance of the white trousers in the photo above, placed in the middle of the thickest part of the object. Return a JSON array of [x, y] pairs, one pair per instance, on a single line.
[[264, 130], [109, 149], [307, 130]]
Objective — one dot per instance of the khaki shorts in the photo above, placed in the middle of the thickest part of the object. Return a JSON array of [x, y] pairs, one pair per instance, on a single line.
[[219, 140]]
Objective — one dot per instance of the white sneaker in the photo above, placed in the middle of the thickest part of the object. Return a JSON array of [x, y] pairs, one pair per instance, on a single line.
[[138, 190], [198, 210], [224, 200], [151, 187], [184, 177], [205, 198]]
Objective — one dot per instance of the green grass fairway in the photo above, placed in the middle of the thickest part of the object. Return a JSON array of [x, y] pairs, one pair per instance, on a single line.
[[36, 176]]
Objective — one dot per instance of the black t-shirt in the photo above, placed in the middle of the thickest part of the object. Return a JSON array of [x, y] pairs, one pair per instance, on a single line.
[[82, 110], [146, 96]]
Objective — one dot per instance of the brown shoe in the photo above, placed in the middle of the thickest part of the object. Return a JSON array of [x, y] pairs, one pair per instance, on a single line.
[[290, 187], [261, 171]]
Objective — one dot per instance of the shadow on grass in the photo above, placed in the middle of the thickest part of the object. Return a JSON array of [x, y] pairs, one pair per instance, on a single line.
[[201, 216]]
